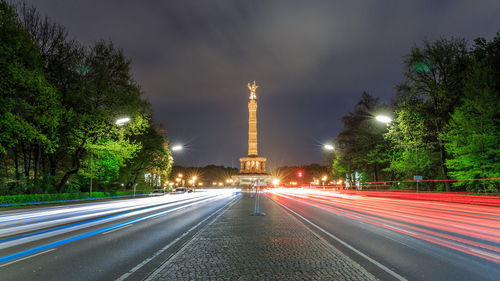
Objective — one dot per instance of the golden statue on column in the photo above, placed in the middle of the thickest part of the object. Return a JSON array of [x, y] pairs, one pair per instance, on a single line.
[[252, 120], [252, 167], [252, 88]]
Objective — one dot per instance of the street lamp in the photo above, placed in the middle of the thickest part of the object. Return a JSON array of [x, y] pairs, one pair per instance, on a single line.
[[122, 121], [383, 119], [177, 148], [328, 147], [323, 179]]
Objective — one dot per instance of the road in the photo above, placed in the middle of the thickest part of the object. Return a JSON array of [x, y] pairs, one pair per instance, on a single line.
[[112, 240], [398, 239]]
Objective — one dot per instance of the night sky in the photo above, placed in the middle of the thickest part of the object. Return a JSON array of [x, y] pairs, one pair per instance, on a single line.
[[312, 60]]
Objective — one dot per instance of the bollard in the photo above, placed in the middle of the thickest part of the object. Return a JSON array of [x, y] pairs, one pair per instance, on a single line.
[[256, 206]]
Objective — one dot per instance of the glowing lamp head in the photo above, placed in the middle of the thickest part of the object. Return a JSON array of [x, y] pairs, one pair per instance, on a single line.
[[328, 147], [383, 119], [122, 121], [177, 148]]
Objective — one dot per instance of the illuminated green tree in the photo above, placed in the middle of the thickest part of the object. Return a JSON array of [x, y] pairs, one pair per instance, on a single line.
[[154, 157], [472, 137], [360, 146], [433, 88], [107, 92], [29, 105]]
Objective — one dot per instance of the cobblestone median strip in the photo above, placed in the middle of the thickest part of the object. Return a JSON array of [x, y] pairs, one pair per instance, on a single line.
[[273, 247]]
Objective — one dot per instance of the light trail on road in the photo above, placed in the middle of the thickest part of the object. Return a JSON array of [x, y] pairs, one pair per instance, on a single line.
[[470, 229], [18, 228]]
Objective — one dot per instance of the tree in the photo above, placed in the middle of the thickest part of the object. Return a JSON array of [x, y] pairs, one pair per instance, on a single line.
[[434, 77], [107, 92], [309, 173], [413, 145], [154, 157], [29, 105], [434, 80], [360, 146], [472, 137], [208, 174], [58, 105]]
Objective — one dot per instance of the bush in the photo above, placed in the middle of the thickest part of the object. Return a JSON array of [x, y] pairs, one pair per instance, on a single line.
[[29, 198]]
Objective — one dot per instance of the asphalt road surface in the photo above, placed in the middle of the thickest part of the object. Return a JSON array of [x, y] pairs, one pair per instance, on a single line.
[[113, 240], [398, 239]]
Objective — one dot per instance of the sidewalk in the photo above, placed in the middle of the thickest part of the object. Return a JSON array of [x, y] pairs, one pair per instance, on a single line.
[[276, 246]]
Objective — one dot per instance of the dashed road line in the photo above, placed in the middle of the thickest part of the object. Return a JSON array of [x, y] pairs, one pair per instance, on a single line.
[[116, 229], [27, 257]]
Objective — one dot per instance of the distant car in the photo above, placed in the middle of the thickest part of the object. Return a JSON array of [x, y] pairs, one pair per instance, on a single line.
[[180, 190], [158, 192]]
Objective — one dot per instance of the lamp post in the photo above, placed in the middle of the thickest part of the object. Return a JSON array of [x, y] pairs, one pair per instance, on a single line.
[[194, 178], [323, 179]]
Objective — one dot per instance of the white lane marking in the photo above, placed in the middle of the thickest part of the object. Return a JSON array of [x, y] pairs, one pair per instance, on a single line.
[[383, 267], [159, 252], [116, 229], [34, 255]]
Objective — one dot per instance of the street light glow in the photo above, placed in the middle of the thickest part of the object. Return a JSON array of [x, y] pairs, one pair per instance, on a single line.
[[177, 147], [122, 121], [383, 119], [328, 147]]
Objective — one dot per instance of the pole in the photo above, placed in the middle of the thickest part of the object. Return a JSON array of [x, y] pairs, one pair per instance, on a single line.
[[416, 165], [90, 191], [256, 206]]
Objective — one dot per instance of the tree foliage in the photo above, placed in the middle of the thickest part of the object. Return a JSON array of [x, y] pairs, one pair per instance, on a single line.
[[59, 101], [472, 136], [446, 122], [360, 146]]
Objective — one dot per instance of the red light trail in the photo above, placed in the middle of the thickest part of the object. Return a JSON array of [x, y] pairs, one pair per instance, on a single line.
[[436, 218]]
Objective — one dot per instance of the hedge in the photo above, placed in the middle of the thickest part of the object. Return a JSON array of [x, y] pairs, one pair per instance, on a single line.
[[47, 198]]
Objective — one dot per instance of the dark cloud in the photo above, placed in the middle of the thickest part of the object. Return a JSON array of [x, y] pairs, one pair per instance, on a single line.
[[311, 58]]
